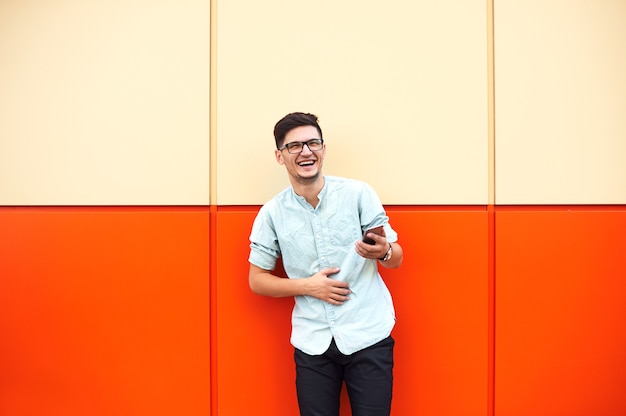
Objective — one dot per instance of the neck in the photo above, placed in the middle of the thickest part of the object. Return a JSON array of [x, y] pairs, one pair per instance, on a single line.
[[309, 188]]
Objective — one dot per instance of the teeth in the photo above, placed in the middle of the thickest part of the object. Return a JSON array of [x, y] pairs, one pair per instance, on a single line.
[[306, 163]]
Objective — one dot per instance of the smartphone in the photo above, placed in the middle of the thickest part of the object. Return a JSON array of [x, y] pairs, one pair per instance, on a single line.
[[376, 230]]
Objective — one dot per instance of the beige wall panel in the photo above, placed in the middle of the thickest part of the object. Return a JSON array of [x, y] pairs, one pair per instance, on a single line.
[[400, 88], [104, 103], [560, 88]]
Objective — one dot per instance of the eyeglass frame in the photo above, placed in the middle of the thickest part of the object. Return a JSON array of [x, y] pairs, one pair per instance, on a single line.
[[286, 146]]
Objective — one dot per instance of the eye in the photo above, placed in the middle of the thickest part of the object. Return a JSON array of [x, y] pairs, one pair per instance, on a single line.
[[314, 144]]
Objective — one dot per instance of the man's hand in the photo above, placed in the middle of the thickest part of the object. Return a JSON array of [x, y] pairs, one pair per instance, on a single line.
[[373, 251], [329, 290]]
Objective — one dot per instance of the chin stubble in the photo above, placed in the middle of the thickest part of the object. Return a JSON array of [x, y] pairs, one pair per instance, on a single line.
[[308, 180]]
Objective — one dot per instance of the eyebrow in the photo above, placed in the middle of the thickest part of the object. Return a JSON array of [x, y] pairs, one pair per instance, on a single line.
[[303, 141]]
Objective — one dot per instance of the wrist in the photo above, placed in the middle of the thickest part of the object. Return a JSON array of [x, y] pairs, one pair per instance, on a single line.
[[387, 255]]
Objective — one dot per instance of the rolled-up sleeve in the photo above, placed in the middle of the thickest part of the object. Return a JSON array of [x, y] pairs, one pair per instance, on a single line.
[[264, 248]]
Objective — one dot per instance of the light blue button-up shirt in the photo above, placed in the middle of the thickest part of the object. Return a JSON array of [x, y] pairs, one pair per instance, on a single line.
[[311, 239]]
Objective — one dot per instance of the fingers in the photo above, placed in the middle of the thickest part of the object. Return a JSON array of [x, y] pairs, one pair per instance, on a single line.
[[329, 271], [374, 251], [330, 290], [338, 296], [377, 238], [336, 283]]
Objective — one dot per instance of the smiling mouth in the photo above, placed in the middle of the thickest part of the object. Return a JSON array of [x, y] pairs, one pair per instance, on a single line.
[[306, 163]]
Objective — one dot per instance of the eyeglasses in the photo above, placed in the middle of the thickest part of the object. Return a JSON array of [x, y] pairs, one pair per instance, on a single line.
[[296, 147]]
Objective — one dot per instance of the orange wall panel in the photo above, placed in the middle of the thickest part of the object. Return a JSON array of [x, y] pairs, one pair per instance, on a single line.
[[107, 311], [254, 370], [560, 311], [441, 303], [441, 299], [104, 311]]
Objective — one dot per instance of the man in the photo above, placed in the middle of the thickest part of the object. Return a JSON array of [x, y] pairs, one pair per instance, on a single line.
[[343, 313]]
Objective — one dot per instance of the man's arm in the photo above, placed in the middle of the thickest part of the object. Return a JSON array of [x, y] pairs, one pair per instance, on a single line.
[[320, 286]]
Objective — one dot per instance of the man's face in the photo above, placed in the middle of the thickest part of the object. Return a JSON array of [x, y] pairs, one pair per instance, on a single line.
[[306, 166]]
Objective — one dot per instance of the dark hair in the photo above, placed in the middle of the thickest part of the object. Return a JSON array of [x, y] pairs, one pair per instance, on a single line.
[[290, 122]]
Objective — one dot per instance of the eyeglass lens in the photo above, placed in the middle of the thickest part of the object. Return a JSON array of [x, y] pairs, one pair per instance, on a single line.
[[297, 147]]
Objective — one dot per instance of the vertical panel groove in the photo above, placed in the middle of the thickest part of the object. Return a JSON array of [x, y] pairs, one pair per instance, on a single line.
[[213, 308], [213, 207], [491, 299], [491, 309]]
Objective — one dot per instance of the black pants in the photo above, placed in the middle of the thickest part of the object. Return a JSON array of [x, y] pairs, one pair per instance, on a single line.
[[368, 375]]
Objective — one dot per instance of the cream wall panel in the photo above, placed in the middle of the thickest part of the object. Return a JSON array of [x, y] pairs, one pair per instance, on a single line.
[[105, 102], [560, 88], [400, 88]]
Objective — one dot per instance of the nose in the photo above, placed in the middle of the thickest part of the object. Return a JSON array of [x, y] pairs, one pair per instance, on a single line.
[[308, 149]]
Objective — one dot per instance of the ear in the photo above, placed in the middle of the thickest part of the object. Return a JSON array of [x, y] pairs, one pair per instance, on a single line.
[[279, 157]]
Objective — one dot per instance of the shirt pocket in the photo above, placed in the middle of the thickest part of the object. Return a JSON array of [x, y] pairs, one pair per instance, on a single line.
[[343, 230]]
